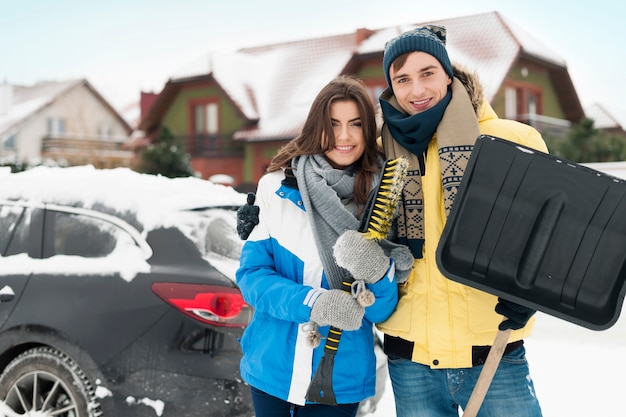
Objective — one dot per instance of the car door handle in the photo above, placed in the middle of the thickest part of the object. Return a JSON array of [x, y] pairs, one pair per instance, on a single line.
[[6, 294]]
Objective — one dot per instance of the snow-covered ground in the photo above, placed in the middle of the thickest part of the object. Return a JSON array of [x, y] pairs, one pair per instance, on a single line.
[[577, 372]]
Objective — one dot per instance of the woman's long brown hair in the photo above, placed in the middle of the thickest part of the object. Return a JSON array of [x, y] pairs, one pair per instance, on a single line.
[[318, 126]]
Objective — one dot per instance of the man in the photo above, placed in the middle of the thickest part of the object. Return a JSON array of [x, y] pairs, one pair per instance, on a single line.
[[440, 333]]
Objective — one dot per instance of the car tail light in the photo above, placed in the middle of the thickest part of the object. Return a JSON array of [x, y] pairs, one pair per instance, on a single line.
[[214, 305]]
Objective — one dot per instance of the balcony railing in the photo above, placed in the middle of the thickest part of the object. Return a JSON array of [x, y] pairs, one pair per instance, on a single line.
[[548, 126], [80, 149], [82, 144], [211, 146]]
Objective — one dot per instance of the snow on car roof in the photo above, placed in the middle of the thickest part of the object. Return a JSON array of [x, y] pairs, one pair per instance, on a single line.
[[152, 198]]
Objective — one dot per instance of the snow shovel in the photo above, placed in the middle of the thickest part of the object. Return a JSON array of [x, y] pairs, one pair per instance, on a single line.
[[540, 231], [376, 224]]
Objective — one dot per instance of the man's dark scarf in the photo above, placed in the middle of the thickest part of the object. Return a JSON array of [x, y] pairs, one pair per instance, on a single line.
[[455, 129]]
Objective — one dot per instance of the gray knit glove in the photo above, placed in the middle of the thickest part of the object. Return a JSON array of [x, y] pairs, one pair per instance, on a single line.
[[363, 258], [404, 262], [339, 309]]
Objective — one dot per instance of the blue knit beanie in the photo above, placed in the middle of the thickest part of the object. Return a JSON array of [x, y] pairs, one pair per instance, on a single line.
[[430, 39]]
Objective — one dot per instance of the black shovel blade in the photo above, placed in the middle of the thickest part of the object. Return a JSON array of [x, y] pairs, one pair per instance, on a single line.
[[540, 231]]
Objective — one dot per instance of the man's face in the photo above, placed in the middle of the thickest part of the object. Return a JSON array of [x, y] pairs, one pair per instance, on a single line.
[[420, 83]]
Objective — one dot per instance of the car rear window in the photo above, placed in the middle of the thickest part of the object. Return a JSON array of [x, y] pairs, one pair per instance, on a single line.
[[13, 231]]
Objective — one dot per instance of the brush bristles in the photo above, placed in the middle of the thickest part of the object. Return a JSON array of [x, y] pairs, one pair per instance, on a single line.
[[387, 198]]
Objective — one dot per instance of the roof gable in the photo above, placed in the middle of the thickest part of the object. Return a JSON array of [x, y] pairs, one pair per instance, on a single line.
[[487, 43], [274, 85], [602, 119], [27, 101]]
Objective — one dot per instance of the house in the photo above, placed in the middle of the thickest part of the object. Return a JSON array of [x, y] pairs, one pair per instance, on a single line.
[[233, 111], [603, 120], [66, 121]]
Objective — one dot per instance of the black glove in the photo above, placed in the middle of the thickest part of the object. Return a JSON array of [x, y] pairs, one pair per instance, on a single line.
[[517, 315], [247, 217]]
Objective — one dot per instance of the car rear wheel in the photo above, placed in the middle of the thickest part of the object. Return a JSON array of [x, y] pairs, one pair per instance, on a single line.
[[47, 382]]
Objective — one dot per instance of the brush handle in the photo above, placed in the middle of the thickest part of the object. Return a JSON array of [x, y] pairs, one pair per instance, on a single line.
[[376, 224]]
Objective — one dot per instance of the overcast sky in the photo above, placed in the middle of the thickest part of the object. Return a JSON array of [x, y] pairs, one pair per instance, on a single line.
[[126, 46]]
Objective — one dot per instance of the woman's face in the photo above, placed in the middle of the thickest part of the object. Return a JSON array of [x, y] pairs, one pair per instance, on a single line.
[[348, 129]]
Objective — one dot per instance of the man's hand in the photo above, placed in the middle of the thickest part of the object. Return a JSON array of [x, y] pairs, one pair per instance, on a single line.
[[517, 315]]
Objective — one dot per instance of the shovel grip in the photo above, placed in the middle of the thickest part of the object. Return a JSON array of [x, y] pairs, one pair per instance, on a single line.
[[487, 373]]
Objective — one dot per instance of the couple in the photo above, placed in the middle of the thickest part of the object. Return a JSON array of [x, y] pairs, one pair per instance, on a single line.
[[436, 332]]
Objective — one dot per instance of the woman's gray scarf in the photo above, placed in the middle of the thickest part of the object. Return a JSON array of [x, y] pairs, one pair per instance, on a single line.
[[320, 186], [327, 194]]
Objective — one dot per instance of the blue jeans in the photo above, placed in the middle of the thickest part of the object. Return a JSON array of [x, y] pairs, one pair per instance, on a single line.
[[420, 391], [266, 405]]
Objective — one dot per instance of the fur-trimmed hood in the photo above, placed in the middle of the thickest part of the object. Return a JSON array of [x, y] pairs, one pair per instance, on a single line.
[[472, 84]]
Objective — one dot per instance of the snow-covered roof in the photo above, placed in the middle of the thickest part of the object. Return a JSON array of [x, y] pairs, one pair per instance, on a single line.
[[487, 43], [24, 101], [602, 119], [274, 85], [19, 103]]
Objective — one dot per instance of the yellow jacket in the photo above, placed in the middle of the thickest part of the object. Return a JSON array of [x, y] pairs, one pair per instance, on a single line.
[[443, 318]]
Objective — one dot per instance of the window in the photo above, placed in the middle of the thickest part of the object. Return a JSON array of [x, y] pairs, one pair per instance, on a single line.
[[9, 143], [375, 92], [206, 118], [104, 131], [13, 231], [205, 126], [81, 235], [56, 125], [522, 102], [510, 103], [532, 105]]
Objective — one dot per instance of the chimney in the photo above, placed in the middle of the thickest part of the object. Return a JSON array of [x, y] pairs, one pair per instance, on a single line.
[[146, 101], [6, 98], [362, 34]]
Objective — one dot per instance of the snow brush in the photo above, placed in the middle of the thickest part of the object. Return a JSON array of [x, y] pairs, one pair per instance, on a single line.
[[375, 224]]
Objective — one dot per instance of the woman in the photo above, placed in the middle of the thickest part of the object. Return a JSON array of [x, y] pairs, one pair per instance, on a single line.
[[316, 189]]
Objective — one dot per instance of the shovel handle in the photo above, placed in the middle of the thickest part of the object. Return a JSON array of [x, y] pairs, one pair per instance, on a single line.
[[487, 373]]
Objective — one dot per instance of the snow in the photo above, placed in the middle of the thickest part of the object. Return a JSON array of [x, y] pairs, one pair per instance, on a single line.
[[577, 372], [121, 188], [19, 111], [157, 405]]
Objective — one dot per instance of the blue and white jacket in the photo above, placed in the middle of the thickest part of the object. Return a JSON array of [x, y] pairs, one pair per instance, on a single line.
[[280, 276]]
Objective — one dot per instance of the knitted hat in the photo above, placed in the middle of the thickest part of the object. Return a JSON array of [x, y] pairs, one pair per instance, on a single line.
[[430, 39]]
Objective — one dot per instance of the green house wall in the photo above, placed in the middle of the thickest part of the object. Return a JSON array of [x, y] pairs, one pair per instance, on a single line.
[[177, 117]]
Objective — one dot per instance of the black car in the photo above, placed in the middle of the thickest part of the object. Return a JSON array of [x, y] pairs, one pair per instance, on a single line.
[[118, 297]]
